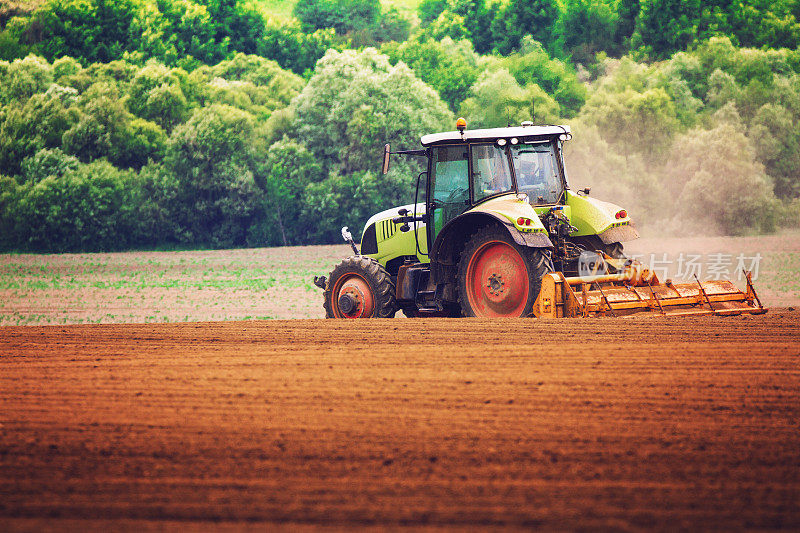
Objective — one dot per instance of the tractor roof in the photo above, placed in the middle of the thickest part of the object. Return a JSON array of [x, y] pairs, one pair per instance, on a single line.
[[494, 133]]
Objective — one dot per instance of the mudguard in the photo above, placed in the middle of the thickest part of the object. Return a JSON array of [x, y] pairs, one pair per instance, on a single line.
[[595, 217], [505, 211]]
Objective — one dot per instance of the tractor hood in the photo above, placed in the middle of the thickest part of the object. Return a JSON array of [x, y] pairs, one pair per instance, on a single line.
[[393, 212]]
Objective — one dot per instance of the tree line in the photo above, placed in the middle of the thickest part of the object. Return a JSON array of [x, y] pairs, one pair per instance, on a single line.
[[173, 123]]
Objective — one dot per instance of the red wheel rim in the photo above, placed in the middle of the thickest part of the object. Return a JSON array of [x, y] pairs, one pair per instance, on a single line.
[[359, 294], [497, 281]]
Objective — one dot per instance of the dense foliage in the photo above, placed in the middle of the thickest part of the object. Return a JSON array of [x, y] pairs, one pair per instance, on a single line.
[[141, 123]]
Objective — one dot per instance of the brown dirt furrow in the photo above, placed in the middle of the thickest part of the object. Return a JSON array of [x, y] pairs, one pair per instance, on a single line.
[[643, 423]]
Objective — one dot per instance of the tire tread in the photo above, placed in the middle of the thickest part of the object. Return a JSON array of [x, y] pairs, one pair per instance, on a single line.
[[379, 279], [538, 257]]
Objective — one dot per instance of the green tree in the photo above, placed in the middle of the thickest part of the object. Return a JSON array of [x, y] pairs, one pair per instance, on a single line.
[[39, 122], [156, 95], [447, 25], [477, 21], [288, 169], [90, 208], [9, 212], [666, 26], [64, 68], [533, 65], [12, 37], [331, 114], [587, 27], [344, 200], [429, 10], [178, 32], [449, 67], [274, 87], [628, 11], [343, 16], [392, 26], [97, 30], [293, 49], [725, 189], [776, 138], [537, 18], [22, 78], [643, 122], [212, 159], [47, 162], [498, 100], [107, 129]]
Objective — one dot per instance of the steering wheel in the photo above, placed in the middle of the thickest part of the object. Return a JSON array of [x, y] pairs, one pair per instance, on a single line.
[[457, 195]]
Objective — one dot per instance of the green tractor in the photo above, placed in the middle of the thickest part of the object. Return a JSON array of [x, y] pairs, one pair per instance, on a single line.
[[493, 215]]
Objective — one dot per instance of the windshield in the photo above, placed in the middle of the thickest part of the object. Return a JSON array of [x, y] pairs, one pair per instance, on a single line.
[[537, 172], [490, 172]]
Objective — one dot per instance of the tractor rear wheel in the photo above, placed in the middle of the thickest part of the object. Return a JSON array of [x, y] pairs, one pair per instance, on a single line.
[[359, 287], [499, 278]]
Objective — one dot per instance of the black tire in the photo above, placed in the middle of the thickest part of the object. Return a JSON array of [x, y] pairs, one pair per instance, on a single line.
[[537, 262], [376, 278]]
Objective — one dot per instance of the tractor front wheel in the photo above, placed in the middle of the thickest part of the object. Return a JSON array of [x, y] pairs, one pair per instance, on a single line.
[[359, 287], [499, 278]]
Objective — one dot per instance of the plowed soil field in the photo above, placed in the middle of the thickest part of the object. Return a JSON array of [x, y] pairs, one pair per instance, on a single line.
[[626, 424]]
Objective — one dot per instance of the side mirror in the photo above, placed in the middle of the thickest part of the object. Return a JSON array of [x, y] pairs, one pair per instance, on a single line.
[[386, 151]]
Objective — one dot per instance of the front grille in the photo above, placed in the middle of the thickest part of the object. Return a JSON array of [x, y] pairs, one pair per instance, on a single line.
[[387, 229]]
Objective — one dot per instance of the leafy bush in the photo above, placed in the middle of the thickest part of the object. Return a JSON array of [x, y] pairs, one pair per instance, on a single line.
[[357, 101], [212, 160], [497, 100], [532, 65], [47, 162], [88, 208], [343, 16], [449, 67], [726, 189], [292, 49]]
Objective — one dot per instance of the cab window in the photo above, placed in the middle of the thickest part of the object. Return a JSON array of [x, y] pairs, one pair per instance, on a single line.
[[537, 172], [490, 172], [449, 185]]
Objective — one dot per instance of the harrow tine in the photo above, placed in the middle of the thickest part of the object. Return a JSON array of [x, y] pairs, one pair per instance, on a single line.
[[748, 275], [650, 285], [606, 299], [703, 291]]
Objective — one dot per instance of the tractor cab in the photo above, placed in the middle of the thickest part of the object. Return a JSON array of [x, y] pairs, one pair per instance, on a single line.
[[467, 168]]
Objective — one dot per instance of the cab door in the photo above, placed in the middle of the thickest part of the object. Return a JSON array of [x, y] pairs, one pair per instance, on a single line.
[[448, 187]]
